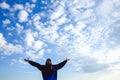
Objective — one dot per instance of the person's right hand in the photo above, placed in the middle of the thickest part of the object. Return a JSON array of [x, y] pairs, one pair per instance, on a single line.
[[26, 60]]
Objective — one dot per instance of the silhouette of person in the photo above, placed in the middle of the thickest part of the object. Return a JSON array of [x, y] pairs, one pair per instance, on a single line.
[[49, 71]]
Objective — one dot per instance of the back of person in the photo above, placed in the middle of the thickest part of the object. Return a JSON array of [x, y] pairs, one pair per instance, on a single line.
[[49, 71]]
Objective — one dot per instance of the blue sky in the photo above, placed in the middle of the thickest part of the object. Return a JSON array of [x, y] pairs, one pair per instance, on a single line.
[[86, 31]]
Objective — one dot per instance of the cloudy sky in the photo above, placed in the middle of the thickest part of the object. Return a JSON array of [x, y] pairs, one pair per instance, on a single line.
[[86, 31]]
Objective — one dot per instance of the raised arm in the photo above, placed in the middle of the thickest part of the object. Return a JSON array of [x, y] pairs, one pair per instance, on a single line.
[[39, 66], [60, 65]]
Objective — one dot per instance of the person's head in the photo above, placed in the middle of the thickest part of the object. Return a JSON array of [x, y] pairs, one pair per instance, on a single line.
[[48, 61]]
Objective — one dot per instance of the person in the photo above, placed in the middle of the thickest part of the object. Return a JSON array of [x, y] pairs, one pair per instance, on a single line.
[[49, 71]]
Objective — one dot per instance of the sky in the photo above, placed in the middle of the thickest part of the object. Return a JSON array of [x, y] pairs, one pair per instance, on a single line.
[[85, 31]]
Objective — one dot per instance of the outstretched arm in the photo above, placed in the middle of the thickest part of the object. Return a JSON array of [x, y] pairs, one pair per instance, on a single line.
[[34, 63], [60, 65]]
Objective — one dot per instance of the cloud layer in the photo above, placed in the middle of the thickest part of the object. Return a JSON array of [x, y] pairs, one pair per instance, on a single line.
[[86, 31]]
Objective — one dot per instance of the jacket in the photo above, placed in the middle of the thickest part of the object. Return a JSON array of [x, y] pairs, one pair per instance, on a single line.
[[49, 72]]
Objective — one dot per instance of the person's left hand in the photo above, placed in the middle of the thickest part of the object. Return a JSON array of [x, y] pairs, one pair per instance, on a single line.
[[67, 59]]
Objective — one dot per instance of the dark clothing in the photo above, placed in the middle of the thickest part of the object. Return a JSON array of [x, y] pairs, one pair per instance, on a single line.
[[49, 72]]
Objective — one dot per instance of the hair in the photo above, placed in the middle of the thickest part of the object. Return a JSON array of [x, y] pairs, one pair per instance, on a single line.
[[48, 59]]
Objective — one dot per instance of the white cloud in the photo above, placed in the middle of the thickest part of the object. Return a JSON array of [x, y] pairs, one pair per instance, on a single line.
[[4, 5], [21, 61], [13, 61], [19, 28], [62, 40], [112, 56], [57, 13], [44, 2], [41, 53], [48, 33], [2, 40], [29, 7], [34, 55], [10, 28], [23, 16], [48, 50], [6, 21], [18, 61], [29, 39], [35, 47], [10, 34], [33, 6], [18, 7], [36, 21], [34, 1], [8, 48], [104, 10], [61, 20], [38, 45], [82, 32]]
